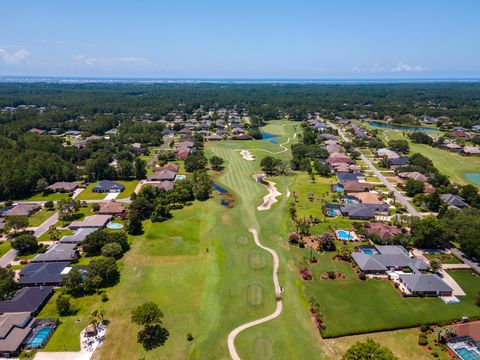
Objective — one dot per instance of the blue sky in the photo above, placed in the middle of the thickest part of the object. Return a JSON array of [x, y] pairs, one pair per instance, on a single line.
[[319, 39]]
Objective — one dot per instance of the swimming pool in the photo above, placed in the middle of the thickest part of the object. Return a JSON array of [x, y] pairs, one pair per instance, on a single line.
[[367, 251], [331, 213], [466, 354], [40, 337], [180, 177], [344, 235], [114, 226]]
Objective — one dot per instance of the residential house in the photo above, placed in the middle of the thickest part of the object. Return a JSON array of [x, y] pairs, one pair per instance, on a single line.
[[43, 273], [63, 186], [376, 259], [471, 151], [164, 185], [453, 147], [77, 237], [346, 177], [425, 284], [354, 186], [453, 201], [22, 209], [414, 175], [111, 208], [364, 211], [162, 175], [382, 230], [368, 198], [27, 299], [14, 329], [58, 253], [107, 186], [92, 222], [169, 167]]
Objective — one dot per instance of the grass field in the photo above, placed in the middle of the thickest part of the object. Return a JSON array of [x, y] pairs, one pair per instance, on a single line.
[[53, 196], [88, 194], [455, 166], [378, 306], [39, 217], [4, 247], [445, 258]]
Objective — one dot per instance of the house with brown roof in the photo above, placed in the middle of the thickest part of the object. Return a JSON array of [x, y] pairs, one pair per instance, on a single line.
[[164, 185], [355, 186], [182, 153], [169, 167], [384, 231], [162, 175], [92, 221], [63, 186], [471, 151], [22, 209], [111, 208], [414, 175], [368, 198]]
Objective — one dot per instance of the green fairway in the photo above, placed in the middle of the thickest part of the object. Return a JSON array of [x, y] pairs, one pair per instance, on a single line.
[[454, 165]]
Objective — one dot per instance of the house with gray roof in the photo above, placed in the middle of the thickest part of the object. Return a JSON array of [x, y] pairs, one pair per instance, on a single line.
[[14, 329], [425, 284], [37, 274], [92, 222], [453, 201], [78, 236], [362, 211], [58, 252], [381, 259], [27, 299], [107, 186]]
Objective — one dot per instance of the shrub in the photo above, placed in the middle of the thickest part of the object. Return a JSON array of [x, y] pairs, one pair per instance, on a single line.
[[63, 305], [435, 354], [331, 275], [422, 340], [424, 328], [362, 276], [189, 336]]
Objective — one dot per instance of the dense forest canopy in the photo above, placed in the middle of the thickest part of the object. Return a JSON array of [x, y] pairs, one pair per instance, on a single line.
[[110, 103]]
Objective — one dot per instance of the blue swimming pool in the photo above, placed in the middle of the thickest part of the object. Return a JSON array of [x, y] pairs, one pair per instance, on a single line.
[[40, 337], [367, 251], [344, 235], [114, 226], [331, 213], [466, 354]]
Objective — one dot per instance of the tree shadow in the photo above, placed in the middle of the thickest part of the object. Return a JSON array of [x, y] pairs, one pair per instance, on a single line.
[[152, 336]]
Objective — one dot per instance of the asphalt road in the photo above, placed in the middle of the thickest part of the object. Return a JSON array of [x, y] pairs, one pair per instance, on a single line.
[[398, 195], [52, 220], [8, 257]]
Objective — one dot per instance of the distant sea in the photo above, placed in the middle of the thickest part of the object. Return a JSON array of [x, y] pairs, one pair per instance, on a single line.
[[84, 80]]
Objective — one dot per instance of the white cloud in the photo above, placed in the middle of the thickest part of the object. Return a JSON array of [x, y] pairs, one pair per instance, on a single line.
[[129, 60], [401, 67], [13, 57]]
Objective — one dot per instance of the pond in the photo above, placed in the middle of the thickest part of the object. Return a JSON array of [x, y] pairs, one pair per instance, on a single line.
[[383, 125], [226, 199], [473, 177], [273, 139]]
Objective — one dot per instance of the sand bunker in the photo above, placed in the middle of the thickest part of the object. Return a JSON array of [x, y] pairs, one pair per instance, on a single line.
[[271, 197], [247, 155]]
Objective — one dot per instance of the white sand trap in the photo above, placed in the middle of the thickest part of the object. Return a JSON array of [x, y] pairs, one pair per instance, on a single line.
[[247, 155], [288, 193], [271, 197]]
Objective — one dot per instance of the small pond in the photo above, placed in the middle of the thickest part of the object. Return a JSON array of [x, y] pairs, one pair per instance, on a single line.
[[226, 199], [273, 139], [473, 177], [383, 125]]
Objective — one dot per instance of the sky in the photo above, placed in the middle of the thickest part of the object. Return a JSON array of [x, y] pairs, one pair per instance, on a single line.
[[297, 39]]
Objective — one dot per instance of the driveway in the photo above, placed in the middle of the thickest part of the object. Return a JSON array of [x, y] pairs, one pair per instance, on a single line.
[[457, 290], [8, 257], [52, 220]]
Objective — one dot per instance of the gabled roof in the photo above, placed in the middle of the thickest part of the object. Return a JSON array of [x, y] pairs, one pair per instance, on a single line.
[[28, 299], [14, 328], [57, 252], [107, 185], [162, 175], [92, 221], [453, 200], [78, 236]]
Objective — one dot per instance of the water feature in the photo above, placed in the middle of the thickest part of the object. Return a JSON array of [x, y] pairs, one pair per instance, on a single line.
[[383, 125], [273, 139], [226, 199], [473, 177]]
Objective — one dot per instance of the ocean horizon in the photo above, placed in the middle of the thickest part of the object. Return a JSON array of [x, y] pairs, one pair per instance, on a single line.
[[153, 80]]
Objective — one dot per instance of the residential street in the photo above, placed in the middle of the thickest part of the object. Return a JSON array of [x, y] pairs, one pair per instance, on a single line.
[[52, 220], [8, 257], [467, 261], [398, 195]]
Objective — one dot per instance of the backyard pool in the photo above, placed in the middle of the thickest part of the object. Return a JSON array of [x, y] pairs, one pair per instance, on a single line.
[[331, 213], [180, 177], [114, 226], [39, 339], [345, 235], [367, 252], [466, 354]]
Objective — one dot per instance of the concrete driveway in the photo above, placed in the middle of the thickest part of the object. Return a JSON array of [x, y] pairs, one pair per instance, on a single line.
[[8, 257]]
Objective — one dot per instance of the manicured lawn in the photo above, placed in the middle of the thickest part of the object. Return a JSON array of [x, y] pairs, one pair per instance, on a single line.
[[445, 258], [67, 335], [81, 214], [451, 164], [354, 306], [53, 196], [39, 217], [88, 194], [4, 247], [63, 232]]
